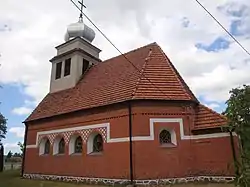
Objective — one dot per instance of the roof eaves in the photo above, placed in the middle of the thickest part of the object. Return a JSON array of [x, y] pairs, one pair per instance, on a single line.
[[200, 127]]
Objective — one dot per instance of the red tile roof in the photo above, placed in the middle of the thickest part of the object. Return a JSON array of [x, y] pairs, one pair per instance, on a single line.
[[207, 118], [116, 80]]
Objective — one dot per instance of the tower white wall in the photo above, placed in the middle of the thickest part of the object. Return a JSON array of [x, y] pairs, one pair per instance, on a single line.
[[77, 49]]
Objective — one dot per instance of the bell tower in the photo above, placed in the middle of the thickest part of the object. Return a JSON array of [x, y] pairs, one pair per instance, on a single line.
[[74, 57]]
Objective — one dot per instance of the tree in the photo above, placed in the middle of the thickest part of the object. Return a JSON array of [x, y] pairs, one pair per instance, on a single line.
[[238, 115], [9, 155], [3, 122], [17, 155], [3, 126], [21, 145]]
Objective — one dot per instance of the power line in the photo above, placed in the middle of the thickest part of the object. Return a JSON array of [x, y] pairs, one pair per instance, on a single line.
[[114, 45], [224, 28]]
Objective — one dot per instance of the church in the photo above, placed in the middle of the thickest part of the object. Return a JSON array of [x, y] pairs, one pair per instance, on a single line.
[[130, 119]]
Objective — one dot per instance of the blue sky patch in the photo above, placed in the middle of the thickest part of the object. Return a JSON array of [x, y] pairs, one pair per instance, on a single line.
[[234, 10], [11, 97], [217, 45], [235, 28]]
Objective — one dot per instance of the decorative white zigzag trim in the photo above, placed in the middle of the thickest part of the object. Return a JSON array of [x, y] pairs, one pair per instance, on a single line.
[[134, 138]]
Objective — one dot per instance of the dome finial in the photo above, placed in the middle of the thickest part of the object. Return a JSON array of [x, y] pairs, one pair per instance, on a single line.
[[79, 29], [82, 5]]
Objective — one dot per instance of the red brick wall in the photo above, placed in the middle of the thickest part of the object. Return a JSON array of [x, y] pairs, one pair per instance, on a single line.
[[150, 160], [113, 163]]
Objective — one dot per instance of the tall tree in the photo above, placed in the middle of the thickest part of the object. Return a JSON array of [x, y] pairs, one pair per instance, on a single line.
[[9, 155], [3, 122], [21, 145], [3, 126], [238, 115]]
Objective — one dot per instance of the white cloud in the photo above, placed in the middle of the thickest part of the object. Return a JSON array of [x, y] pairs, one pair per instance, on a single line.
[[22, 111], [13, 147], [213, 106], [18, 131], [10, 145], [37, 28]]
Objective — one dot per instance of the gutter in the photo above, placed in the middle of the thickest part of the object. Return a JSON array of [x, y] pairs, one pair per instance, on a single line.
[[24, 151], [131, 170]]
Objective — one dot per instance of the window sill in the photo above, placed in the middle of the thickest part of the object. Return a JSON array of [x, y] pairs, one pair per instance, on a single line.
[[96, 154], [168, 145], [44, 155], [76, 154], [59, 154]]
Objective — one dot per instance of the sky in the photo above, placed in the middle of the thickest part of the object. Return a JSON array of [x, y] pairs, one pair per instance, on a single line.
[[206, 57]]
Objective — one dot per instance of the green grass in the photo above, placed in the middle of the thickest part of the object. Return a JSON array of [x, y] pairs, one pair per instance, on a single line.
[[13, 179]]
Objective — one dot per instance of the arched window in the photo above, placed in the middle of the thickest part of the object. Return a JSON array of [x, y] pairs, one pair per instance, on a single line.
[[46, 147], [98, 143], [94, 143], [78, 145], [61, 147], [165, 137]]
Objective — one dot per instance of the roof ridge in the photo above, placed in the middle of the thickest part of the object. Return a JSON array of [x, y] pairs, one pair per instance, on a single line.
[[178, 76], [133, 50], [141, 73]]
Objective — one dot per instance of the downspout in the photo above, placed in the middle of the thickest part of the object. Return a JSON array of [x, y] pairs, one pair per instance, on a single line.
[[234, 154], [24, 151], [130, 145]]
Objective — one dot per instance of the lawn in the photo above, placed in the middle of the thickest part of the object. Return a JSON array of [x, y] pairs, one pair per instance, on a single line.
[[12, 179]]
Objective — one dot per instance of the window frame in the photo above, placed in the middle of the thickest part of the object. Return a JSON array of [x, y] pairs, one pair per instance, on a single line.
[[165, 137], [173, 140], [58, 72], [67, 67], [85, 65], [90, 143], [46, 150], [61, 150], [97, 148], [79, 138]]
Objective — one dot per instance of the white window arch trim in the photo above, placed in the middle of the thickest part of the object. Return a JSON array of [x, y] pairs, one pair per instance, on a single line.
[[56, 144], [42, 146], [72, 143], [90, 141], [173, 136]]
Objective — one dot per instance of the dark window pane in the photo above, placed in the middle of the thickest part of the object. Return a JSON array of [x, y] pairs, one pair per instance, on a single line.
[[165, 137], [98, 143], [85, 65], [78, 145], [47, 147], [61, 146], [58, 70], [67, 67]]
